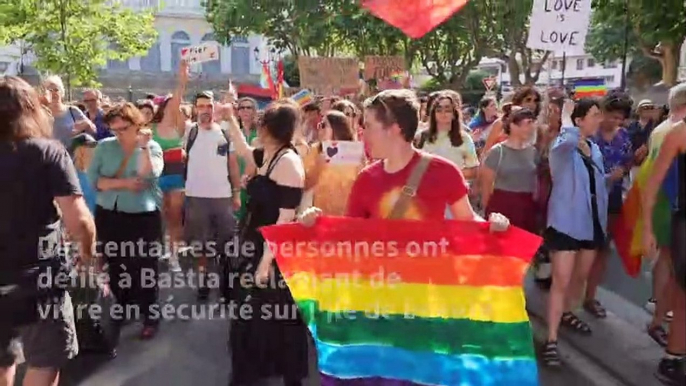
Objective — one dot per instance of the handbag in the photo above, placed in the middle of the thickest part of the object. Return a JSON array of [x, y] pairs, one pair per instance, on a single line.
[[410, 189]]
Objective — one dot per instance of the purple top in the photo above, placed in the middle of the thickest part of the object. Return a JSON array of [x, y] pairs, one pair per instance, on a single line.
[[616, 153]]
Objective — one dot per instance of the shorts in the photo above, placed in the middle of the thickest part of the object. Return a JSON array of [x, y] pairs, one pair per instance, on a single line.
[[48, 343], [558, 242], [679, 248], [210, 224], [171, 182]]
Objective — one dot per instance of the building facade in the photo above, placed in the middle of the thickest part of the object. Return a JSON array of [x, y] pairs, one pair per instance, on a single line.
[[179, 24], [555, 69]]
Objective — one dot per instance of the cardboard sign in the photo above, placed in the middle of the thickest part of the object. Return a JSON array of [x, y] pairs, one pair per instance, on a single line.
[[328, 73], [344, 160], [383, 67], [559, 26], [343, 152], [205, 52]]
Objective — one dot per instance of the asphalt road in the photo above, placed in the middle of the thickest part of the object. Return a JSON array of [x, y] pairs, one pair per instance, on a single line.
[[196, 353]]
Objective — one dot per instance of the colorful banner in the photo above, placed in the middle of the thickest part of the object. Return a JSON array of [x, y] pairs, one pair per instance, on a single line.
[[415, 18], [411, 303], [628, 230], [586, 88]]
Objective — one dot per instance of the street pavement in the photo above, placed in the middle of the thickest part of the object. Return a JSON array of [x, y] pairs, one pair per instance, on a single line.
[[196, 352]]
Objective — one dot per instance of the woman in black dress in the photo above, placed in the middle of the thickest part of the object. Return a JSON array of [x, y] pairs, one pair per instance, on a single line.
[[273, 340]]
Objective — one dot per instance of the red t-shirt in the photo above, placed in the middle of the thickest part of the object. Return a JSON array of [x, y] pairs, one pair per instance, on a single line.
[[375, 191]]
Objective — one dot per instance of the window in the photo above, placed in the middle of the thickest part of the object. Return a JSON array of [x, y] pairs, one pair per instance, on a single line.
[[590, 62], [240, 56], [214, 67], [151, 62], [610, 64], [579, 64], [117, 65], [554, 65], [609, 79], [179, 40]]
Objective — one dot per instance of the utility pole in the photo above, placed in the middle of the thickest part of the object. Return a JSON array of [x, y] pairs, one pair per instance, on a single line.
[[627, 20]]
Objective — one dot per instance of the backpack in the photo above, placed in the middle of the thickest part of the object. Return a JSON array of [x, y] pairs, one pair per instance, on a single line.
[[192, 136]]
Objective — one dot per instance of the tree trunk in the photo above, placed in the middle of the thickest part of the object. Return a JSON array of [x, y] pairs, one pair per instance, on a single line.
[[515, 71], [670, 63]]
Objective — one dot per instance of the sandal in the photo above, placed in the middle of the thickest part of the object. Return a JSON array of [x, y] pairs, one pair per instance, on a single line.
[[572, 321], [550, 355], [595, 308], [658, 334]]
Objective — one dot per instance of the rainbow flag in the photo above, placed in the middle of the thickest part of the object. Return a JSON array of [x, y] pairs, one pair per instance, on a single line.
[[407, 303], [303, 97], [628, 230], [585, 88]]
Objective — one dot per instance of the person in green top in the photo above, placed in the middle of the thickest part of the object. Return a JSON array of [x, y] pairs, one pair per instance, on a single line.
[[247, 114]]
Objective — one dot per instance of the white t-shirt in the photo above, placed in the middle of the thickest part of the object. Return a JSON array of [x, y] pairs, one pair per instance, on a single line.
[[208, 168]]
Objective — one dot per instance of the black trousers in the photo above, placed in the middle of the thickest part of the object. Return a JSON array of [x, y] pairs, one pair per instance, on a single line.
[[131, 244]]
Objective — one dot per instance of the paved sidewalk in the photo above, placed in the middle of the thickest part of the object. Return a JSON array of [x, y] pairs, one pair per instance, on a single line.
[[195, 353], [621, 347]]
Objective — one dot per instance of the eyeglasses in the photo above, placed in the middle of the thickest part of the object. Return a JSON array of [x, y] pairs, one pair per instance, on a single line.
[[89, 100], [245, 108]]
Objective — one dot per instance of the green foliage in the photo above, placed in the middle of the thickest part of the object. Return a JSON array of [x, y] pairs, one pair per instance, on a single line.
[[300, 27], [291, 73], [647, 24], [75, 38]]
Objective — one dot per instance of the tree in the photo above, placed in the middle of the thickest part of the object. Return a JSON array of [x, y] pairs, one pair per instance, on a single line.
[[508, 32], [656, 29], [75, 38], [450, 51], [301, 27]]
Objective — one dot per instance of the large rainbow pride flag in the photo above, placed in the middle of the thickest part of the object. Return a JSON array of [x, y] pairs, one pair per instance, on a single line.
[[406, 303], [628, 229]]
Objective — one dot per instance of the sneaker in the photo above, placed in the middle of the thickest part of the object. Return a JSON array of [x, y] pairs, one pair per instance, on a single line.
[[174, 265], [672, 372], [650, 305]]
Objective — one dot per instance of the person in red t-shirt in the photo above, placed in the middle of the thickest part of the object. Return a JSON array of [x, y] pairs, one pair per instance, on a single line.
[[391, 119]]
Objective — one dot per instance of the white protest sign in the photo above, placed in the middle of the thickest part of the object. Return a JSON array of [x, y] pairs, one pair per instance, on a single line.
[[343, 152], [559, 26], [202, 53]]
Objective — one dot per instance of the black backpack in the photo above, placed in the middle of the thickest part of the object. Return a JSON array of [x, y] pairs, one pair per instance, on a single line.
[[192, 136]]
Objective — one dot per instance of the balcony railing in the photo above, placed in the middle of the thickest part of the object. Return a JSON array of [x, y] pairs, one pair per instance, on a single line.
[[162, 7]]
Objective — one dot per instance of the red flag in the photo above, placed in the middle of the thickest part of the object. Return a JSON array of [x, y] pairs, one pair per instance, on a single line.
[[270, 80], [415, 18]]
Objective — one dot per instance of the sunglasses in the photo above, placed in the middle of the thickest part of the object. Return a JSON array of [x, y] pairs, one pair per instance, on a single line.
[[245, 108], [89, 100]]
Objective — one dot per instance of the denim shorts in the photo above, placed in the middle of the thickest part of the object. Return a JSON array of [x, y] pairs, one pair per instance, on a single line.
[[171, 182]]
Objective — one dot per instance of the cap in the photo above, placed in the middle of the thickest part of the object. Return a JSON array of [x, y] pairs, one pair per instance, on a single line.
[[645, 103], [205, 94]]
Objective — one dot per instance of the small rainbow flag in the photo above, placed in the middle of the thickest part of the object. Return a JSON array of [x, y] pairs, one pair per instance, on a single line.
[[408, 303], [585, 88], [628, 230], [303, 97]]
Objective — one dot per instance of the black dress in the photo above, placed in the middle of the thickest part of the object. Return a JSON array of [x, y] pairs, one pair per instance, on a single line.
[[273, 340]]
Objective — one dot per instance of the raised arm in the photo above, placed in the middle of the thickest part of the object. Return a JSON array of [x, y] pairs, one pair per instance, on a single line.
[[174, 104], [230, 124]]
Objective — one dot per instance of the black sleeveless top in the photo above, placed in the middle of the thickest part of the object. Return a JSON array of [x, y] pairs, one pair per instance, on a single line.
[[266, 197]]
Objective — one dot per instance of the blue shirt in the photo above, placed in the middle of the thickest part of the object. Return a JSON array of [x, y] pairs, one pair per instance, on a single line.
[[569, 208], [102, 131], [617, 153], [63, 125], [107, 158]]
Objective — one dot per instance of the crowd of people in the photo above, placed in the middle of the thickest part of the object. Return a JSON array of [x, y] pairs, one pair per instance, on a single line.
[[203, 174]]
